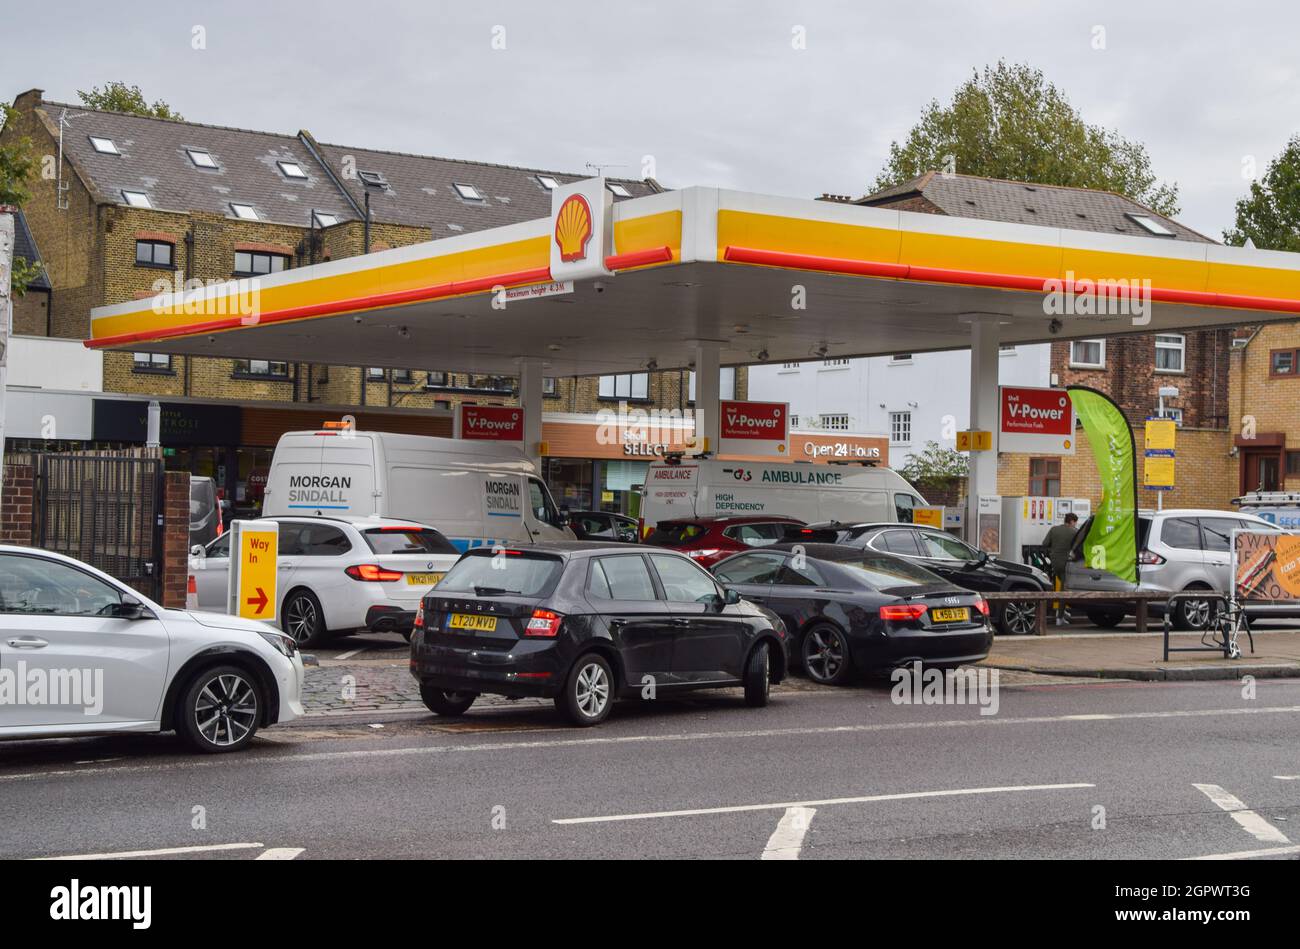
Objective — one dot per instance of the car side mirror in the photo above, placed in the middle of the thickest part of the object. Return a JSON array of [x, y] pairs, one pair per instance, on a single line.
[[731, 597], [198, 550], [132, 609]]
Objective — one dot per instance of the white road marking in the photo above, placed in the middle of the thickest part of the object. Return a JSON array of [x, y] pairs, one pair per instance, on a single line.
[[1247, 854], [248, 760], [1250, 822], [866, 799], [349, 655], [787, 840], [1287, 777], [167, 851], [280, 853]]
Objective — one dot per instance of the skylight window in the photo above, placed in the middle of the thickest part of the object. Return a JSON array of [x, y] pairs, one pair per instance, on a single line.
[[547, 182], [245, 212], [1150, 225], [137, 199], [291, 169], [105, 146], [372, 179], [201, 158], [620, 191], [324, 218], [469, 192]]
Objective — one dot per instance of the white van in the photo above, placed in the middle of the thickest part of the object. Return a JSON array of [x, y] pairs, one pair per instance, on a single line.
[[475, 493], [811, 493]]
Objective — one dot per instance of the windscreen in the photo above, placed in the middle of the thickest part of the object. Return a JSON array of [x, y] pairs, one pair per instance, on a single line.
[[506, 572], [674, 533], [880, 572], [393, 540]]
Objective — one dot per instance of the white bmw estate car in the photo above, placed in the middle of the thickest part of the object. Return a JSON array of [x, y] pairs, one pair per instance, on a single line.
[[337, 574], [82, 654]]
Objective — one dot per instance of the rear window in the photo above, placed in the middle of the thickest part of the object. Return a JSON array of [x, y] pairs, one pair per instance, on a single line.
[[880, 573], [390, 540], [507, 572], [674, 533]]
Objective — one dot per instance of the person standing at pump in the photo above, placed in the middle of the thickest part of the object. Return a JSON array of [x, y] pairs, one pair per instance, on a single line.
[[1059, 541]]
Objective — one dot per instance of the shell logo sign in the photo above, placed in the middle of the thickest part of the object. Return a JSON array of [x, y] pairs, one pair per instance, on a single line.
[[573, 228]]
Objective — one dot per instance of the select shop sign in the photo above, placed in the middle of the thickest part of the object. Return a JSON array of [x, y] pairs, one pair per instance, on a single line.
[[500, 423], [1038, 421], [753, 428]]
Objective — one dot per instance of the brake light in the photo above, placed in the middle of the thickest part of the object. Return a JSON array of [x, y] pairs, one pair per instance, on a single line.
[[903, 612], [373, 573], [419, 616], [544, 623], [982, 605], [1147, 557]]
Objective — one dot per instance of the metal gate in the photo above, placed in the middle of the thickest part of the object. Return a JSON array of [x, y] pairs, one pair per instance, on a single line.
[[105, 510]]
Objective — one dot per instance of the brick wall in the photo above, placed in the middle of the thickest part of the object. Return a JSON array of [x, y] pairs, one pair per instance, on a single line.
[[16, 505], [1262, 405], [176, 538]]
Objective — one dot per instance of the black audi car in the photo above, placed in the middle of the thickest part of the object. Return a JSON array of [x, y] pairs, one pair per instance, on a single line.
[[851, 610], [951, 558], [584, 623]]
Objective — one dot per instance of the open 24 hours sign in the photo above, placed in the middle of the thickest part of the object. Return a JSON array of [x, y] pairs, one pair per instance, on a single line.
[[1039, 421]]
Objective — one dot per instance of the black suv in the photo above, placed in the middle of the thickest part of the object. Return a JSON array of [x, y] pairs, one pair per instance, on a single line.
[[952, 559], [584, 623]]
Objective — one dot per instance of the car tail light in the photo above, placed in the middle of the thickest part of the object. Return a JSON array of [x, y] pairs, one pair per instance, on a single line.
[[904, 612], [419, 616], [1147, 557], [982, 605], [373, 573], [543, 623], [702, 552]]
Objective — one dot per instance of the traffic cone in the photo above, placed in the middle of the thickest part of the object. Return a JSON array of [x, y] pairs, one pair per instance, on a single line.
[[192, 594]]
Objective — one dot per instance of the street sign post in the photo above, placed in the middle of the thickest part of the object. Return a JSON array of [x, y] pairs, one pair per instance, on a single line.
[[254, 555]]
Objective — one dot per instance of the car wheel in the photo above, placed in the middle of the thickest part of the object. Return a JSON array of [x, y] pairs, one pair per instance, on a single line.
[[220, 710], [1193, 613], [758, 682], [1017, 617], [825, 653], [303, 618], [446, 702], [1105, 619], [588, 692]]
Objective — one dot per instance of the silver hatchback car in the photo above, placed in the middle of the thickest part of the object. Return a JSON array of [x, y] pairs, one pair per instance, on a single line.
[[1178, 549]]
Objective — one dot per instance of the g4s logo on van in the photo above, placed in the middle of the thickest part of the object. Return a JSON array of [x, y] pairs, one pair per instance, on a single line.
[[742, 474]]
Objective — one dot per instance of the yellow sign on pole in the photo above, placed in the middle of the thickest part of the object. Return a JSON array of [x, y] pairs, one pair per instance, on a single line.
[[1158, 471], [1160, 434], [974, 441], [254, 552], [928, 516]]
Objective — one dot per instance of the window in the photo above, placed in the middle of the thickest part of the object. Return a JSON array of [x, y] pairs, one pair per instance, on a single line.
[[547, 182], [105, 146], [1217, 531], [261, 368], [1150, 225], [1170, 349], [402, 375], [1007, 349], [151, 362], [548, 385], [375, 374], [323, 219], [900, 357], [621, 578], [633, 385], [939, 546], [789, 367], [201, 158], [751, 568], [1045, 477], [137, 199], [836, 423], [1088, 353], [1293, 464], [543, 506], [756, 535], [36, 585], [794, 421], [468, 192], [291, 169], [904, 504], [415, 540], [252, 263], [1282, 362], [619, 191], [436, 380], [153, 254], [902, 543], [1175, 414], [900, 428], [835, 363], [804, 575], [726, 383], [313, 540], [682, 580], [245, 212], [1182, 533], [373, 179]]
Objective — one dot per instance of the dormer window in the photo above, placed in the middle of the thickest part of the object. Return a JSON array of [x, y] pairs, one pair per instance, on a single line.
[[201, 158], [468, 192], [291, 169], [105, 146], [245, 212]]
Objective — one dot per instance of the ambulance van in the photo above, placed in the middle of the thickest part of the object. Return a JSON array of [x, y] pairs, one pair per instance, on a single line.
[[475, 492]]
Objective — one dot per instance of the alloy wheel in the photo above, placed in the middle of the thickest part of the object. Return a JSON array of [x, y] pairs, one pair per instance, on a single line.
[[1018, 617], [823, 654], [591, 689], [226, 709], [1196, 613], [300, 618]]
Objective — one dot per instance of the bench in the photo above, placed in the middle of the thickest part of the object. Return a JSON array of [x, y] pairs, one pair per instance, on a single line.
[[1136, 602]]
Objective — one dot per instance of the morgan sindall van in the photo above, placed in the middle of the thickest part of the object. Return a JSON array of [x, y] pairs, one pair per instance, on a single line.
[[811, 493], [475, 493]]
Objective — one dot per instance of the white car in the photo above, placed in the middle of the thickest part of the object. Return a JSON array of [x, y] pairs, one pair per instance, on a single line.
[[82, 654], [339, 573]]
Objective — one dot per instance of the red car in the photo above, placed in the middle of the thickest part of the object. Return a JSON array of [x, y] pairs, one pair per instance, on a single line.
[[706, 540]]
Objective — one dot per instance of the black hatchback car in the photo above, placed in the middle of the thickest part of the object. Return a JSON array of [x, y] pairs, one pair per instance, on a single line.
[[848, 609], [954, 560], [584, 623]]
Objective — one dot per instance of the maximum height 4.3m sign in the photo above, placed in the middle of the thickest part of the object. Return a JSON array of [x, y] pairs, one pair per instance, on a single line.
[[254, 553]]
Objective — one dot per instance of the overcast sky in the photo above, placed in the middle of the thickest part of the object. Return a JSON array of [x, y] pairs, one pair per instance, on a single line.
[[715, 92]]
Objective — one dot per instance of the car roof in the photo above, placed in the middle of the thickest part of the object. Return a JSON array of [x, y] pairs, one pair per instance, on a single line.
[[359, 521], [817, 551], [867, 525], [577, 548], [732, 519]]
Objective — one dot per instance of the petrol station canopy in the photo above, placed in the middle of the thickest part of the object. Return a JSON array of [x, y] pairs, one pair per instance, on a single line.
[[759, 277]]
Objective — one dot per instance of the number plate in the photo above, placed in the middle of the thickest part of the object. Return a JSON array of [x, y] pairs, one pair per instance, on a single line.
[[423, 579], [472, 623], [950, 616]]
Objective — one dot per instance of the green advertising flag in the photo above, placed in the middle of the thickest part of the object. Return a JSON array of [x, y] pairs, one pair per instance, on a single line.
[[1111, 544]]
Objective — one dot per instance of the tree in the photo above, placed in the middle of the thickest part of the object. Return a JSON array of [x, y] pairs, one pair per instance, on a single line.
[[935, 468], [1270, 213], [1009, 122], [119, 97], [17, 165]]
